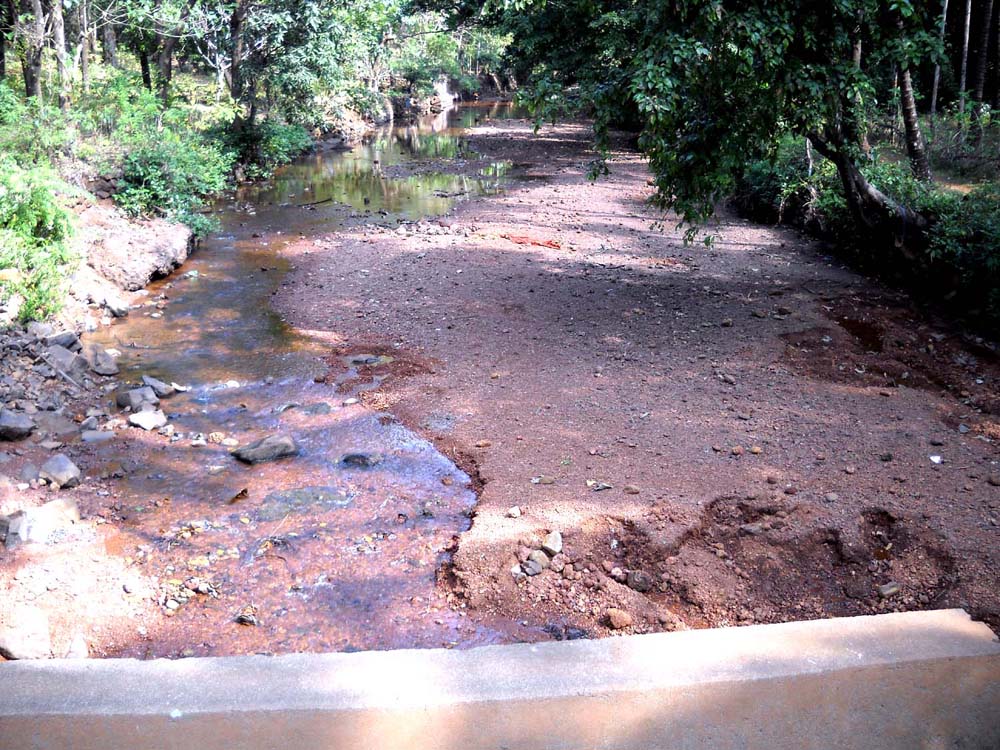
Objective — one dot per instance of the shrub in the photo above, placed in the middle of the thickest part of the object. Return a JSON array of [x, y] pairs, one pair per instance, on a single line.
[[171, 177], [263, 147], [34, 228]]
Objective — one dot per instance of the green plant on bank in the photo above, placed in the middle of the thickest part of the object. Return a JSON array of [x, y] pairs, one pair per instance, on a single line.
[[34, 228], [172, 176], [264, 147], [960, 259]]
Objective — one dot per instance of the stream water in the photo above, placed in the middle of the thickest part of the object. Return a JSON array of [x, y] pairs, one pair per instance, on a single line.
[[310, 553]]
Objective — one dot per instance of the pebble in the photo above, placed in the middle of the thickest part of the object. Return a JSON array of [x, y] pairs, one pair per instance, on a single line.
[[553, 543], [531, 567], [513, 512], [631, 489], [639, 580], [618, 619], [540, 558], [831, 497], [888, 589]]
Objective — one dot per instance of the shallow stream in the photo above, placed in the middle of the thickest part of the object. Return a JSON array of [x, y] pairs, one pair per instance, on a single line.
[[309, 553]]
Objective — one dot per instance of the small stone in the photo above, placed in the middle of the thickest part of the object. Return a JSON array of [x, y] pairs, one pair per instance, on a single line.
[[66, 339], [148, 420], [850, 470], [831, 497], [78, 648], [513, 512], [631, 489], [161, 389], [135, 398], [993, 480], [60, 471], [96, 436], [756, 450], [66, 361], [518, 574], [539, 557], [618, 574], [887, 590], [553, 543], [618, 619], [100, 361], [266, 449], [531, 567], [752, 529], [361, 460], [558, 563], [15, 425], [639, 580]]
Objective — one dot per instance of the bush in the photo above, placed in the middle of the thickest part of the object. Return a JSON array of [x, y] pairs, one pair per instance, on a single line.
[[263, 147], [171, 177], [34, 228], [960, 262]]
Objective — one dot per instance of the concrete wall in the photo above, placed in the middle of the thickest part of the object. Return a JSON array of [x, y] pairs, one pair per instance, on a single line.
[[914, 681]]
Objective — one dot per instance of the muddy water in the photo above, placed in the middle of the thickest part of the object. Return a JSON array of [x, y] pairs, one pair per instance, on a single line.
[[310, 553]]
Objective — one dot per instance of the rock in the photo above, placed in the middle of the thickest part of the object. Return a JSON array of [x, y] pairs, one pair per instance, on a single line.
[[267, 449], [96, 436], [148, 420], [41, 525], [993, 480], [161, 389], [618, 574], [531, 567], [558, 563], [518, 574], [888, 589], [65, 339], [29, 473], [78, 648], [40, 330], [25, 634], [66, 361], [631, 489], [361, 460], [513, 512], [60, 471], [15, 425], [639, 580], [751, 529], [618, 619], [553, 543], [831, 497], [134, 398], [539, 557], [100, 361]]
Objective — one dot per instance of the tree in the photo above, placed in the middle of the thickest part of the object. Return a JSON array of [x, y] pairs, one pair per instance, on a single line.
[[983, 57], [965, 57], [937, 64]]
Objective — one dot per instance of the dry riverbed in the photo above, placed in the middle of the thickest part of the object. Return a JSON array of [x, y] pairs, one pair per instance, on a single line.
[[741, 433]]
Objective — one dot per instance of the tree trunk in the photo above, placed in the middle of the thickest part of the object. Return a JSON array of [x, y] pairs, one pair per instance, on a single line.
[[147, 78], [872, 209], [236, 23], [914, 139], [59, 44], [164, 69], [984, 47], [937, 65], [965, 57], [109, 45], [84, 48], [3, 39], [31, 57]]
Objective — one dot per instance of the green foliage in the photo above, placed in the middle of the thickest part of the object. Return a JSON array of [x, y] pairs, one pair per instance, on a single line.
[[171, 177], [34, 228], [264, 146], [960, 259]]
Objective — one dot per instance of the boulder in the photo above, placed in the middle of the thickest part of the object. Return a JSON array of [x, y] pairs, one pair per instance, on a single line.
[[267, 449], [60, 471], [15, 425], [65, 339]]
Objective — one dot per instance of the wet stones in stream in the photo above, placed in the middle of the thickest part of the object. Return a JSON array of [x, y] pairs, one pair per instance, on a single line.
[[278, 505], [269, 448], [15, 425]]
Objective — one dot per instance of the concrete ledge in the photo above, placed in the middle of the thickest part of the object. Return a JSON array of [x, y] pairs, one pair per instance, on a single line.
[[913, 681]]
